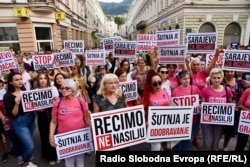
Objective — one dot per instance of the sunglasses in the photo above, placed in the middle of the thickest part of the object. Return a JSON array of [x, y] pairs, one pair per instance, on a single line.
[[158, 83], [163, 72], [101, 68], [65, 88]]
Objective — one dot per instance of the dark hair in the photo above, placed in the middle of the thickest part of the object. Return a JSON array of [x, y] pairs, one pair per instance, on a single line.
[[174, 65], [123, 61], [46, 76], [159, 69], [55, 84], [10, 87], [106, 67], [119, 72]]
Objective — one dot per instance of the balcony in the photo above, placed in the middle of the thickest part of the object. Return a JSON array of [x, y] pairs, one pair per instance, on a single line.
[[44, 6], [141, 25]]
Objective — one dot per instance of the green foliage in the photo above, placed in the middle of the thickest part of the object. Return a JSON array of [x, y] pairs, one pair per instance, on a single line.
[[116, 8], [119, 20]]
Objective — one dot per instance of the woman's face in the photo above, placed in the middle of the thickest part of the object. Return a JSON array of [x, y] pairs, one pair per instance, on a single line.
[[21, 70], [123, 77], [102, 70], [59, 79], [17, 81], [74, 70], [141, 63], [185, 81], [196, 66], [156, 83], [229, 74], [5, 72], [216, 79], [125, 65], [171, 70], [163, 73], [111, 86], [66, 90], [43, 81]]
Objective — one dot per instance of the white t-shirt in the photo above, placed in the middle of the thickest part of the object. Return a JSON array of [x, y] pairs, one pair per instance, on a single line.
[[166, 86]]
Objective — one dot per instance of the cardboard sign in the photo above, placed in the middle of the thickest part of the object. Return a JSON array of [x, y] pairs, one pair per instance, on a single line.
[[172, 55], [108, 43], [96, 57], [43, 61], [37, 99], [124, 48], [189, 100], [244, 123], [169, 123], [201, 42], [167, 38], [209, 58], [217, 113], [75, 46], [63, 59], [7, 61], [119, 128], [236, 60], [73, 143], [146, 42], [129, 89]]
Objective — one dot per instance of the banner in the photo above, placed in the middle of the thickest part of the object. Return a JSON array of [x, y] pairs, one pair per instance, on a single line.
[[169, 123], [97, 57], [189, 100], [201, 42], [172, 55], [129, 89], [119, 128], [43, 61], [146, 42], [124, 48], [236, 60], [244, 123], [63, 59], [217, 113], [219, 61], [108, 43], [75, 46], [73, 143], [167, 38], [37, 99], [7, 61]]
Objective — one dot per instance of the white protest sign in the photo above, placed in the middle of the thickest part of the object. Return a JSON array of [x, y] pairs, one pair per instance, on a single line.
[[124, 48], [236, 60], [146, 42], [73, 143], [244, 123], [119, 128], [43, 61], [97, 57], [7, 61], [189, 100], [201, 42], [172, 55], [169, 123], [217, 113], [63, 59], [75, 46], [108, 43], [37, 99], [209, 58], [129, 89], [167, 38]]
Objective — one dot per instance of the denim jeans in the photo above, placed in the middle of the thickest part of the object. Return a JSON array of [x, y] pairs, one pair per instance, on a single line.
[[23, 127]]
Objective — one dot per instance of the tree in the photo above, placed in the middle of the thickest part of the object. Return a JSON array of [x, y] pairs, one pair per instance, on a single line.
[[119, 21]]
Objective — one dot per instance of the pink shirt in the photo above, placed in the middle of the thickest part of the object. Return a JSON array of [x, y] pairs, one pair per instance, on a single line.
[[215, 97], [159, 99], [245, 98], [179, 91], [199, 79], [173, 80], [69, 114]]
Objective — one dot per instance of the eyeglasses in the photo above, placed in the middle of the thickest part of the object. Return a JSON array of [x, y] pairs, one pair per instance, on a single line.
[[155, 84], [65, 88], [163, 72]]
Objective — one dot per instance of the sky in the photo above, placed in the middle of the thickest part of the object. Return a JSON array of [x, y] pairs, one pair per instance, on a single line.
[[111, 1]]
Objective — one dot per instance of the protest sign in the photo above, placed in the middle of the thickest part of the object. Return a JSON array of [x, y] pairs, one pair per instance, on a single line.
[[97, 57], [43, 61], [124, 48], [201, 42], [244, 123], [146, 42], [119, 128], [63, 59], [129, 89], [189, 100], [73, 143], [217, 113], [172, 55], [75, 46], [219, 61], [37, 99], [236, 60], [7, 61], [167, 38], [108, 43], [169, 123]]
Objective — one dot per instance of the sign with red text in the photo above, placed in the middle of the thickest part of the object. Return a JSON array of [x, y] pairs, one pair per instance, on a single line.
[[217, 113], [146, 42], [108, 43], [43, 61], [63, 59], [167, 38], [116, 129], [129, 89], [124, 48], [73, 143], [219, 61], [236, 60], [172, 55], [169, 123], [97, 57], [75, 46], [189, 100], [201, 42], [37, 99], [7, 61], [244, 123]]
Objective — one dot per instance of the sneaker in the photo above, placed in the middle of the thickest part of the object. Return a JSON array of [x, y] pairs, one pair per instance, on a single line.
[[32, 164], [19, 160], [52, 163], [58, 161], [4, 158]]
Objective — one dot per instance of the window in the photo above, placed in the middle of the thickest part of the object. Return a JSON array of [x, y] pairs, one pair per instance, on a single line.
[[63, 33], [232, 34], [44, 39], [9, 37], [207, 27]]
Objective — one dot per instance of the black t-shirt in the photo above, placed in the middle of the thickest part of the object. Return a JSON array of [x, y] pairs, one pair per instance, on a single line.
[[9, 103]]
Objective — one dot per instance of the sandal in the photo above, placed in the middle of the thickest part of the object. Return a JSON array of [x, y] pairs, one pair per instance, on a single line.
[[197, 144]]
